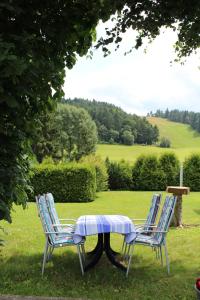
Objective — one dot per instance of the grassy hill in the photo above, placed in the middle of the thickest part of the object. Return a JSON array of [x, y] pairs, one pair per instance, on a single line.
[[184, 141], [180, 135]]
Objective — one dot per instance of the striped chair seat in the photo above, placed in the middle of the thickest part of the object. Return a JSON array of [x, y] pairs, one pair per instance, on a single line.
[[63, 239], [145, 239]]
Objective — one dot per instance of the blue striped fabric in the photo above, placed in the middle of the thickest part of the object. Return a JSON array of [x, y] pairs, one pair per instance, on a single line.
[[151, 218], [166, 214], [57, 238], [94, 224], [157, 237], [45, 218]]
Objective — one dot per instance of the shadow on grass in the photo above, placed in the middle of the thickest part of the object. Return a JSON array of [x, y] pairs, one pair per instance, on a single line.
[[196, 134], [147, 278], [197, 211]]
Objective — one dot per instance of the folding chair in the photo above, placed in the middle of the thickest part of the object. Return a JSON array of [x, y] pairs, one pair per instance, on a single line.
[[54, 236], [157, 238]]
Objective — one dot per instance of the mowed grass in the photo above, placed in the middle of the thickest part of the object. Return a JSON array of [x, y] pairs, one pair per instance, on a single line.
[[20, 259], [184, 142]]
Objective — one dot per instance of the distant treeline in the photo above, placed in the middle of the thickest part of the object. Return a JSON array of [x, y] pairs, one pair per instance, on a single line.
[[184, 116], [115, 125]]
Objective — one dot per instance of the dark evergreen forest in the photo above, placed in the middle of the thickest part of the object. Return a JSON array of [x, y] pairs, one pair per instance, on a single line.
[[115, 125]]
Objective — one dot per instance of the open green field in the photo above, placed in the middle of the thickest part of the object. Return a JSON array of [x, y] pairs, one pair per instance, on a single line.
[[20, 259], [184, 141]]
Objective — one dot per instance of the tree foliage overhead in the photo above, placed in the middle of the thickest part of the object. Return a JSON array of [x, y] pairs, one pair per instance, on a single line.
[[115, 125], [148, 17], [38, 39]]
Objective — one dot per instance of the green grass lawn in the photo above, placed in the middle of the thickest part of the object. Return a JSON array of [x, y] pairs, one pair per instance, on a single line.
[[131, 153], [184, 141], [20, 259]]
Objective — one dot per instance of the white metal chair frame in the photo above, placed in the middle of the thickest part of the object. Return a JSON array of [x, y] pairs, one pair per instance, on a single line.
[[154, 231], [149, 222], [49, 243]]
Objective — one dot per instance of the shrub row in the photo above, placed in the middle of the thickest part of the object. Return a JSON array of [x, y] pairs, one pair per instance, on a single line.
[[67, 182], [191, 172], [101, 171], [119, 175], [148, 173], [78, 182]]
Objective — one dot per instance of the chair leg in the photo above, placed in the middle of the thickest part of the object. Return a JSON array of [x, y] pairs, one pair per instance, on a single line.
[[161, 257], [83, 252], [50, 252], [128, 253], [125, 250], [123, 244], [167, 258], [157, 253], [80, 259], [129, 260], [45, 255]]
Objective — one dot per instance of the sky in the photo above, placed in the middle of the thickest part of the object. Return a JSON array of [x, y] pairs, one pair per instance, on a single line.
[[139, 82]]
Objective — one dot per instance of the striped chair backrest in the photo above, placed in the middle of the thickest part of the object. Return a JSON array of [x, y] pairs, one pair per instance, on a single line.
[[45, 218], [51, 207], [165, 218], [153, 212]]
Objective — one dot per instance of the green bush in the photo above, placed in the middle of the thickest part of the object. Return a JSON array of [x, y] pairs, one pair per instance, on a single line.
[[191, 172], [170, 165], [165, 143], [67, 182], [120, 175], [101, 171], [149, 175], [136, 172]]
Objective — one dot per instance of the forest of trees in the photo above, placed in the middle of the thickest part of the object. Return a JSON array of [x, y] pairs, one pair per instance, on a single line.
[[115, 125], [181, 116]]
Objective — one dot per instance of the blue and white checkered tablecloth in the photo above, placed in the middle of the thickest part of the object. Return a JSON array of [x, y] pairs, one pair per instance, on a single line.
[[94, 224]]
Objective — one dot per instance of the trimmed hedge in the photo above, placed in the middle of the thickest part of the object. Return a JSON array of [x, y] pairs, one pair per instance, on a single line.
[[120, 175], [170, 164], [149, 173], [191, 172], [150, 176], [101, 171], [67, 182]]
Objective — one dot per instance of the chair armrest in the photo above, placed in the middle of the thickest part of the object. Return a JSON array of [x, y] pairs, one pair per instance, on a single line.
[[133, 219], [154, 231], [143, 224], [139, 226], [68, 220], [62, 225], [58, 233]]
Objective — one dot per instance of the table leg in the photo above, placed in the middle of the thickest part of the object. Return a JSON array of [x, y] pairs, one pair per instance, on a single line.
[[95, 254], [110, 253]]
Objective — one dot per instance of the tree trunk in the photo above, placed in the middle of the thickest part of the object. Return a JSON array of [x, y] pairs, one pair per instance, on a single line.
[[177, 217]]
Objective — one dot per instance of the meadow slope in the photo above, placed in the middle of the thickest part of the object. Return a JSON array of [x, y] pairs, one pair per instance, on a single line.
[[184, 141]]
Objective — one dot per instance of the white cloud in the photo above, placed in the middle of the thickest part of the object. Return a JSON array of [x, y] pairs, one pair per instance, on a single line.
[[138, 82]]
